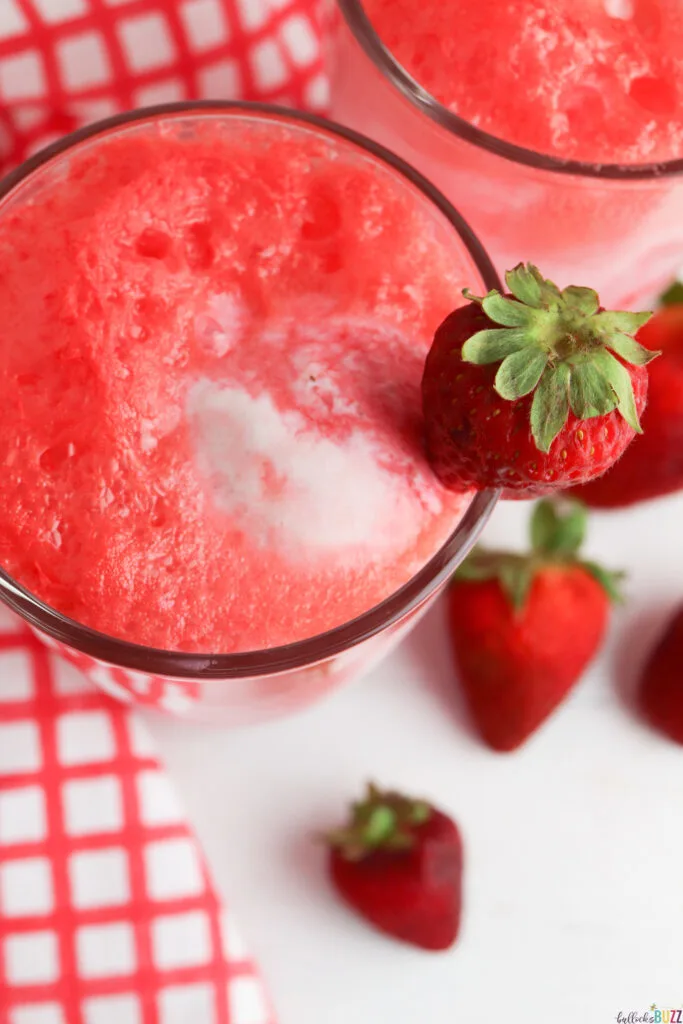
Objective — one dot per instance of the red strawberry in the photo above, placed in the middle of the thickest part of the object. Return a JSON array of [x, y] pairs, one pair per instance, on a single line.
[[561, 407], [399, 864], [524, 627], [653, 465], [661, 684]]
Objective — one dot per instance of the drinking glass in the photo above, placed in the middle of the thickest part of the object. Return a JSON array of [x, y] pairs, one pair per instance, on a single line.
[[239, 688], [617, 228]]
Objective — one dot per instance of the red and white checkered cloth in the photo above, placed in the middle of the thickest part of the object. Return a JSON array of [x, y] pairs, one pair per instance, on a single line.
[[64, 63], [107, 912]]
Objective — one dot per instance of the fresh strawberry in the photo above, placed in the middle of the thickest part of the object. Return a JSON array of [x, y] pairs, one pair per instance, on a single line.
[[524, 627], [560, 408], [399, 863], [653, 465], [661, 684]]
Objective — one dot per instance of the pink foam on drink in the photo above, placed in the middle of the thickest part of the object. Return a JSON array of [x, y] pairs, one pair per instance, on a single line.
[[211, 354], [592, 80]]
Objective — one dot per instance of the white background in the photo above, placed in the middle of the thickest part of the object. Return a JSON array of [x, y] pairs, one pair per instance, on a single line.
[[574, 873]]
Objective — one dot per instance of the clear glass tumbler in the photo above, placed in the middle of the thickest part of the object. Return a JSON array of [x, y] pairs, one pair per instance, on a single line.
[[239, 688], [618, 228]]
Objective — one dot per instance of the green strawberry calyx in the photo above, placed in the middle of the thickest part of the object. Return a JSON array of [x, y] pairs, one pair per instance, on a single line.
[[384, 820], [560, 346], [558, 530], [673, 295]]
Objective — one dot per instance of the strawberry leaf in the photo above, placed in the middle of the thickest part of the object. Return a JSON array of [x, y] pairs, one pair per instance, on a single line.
[[590, 393], [516, 578], [543, 526], [571, 532], [630, 350], [493, 345], [524, 285], [617, 376], [615, 321], [551, 296], [550, 406], [610, 581], [558, 529], [584, 299], [380, 825], [514, 572], [520, 372], [419, 812], [506, 311], [673, 296], [478, 566]]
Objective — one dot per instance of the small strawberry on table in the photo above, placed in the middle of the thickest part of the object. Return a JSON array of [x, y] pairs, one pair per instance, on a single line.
[[524, 627], [534, 390], [399, 862]]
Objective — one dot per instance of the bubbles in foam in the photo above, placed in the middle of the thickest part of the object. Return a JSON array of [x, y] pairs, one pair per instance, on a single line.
[[148, 441], [223, 324]]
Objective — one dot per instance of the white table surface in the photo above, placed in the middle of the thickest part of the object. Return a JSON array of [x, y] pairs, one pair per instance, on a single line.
[[574, 873]]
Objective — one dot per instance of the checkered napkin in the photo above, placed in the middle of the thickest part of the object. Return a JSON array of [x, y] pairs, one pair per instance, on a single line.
[[64, 63], [107, 913]]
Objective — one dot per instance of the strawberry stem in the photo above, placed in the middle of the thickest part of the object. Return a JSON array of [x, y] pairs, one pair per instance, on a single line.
[[558, 530], [384, 820]]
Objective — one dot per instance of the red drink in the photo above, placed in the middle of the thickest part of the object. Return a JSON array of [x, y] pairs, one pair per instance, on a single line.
[[213, 335], [593, 80], [555, 127]]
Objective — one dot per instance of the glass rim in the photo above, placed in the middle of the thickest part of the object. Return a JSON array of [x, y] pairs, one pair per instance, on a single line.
[[360, 25], [302, 653]]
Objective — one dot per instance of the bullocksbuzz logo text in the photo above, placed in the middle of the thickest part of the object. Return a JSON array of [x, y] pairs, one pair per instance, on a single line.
[[654, 1015]]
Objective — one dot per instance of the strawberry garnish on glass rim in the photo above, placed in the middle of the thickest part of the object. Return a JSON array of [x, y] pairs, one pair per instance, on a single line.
[[532, 390]]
